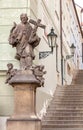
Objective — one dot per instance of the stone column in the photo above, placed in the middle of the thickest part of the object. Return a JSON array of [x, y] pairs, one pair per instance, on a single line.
[[24, 116]]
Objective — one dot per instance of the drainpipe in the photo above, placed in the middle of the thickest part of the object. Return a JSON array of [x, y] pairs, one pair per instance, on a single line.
[[61, 42]]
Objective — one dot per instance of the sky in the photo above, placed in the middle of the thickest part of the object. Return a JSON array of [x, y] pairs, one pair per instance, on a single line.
[[79, 2]]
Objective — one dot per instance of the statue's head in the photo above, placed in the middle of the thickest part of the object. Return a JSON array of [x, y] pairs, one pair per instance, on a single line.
[[23, 18], [10, 66], [41, 67]]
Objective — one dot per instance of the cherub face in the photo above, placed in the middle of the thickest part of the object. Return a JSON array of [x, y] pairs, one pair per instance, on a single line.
[[10, 66], [41, 67]]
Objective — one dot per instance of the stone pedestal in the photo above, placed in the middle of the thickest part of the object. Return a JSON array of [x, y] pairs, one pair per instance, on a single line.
[[24, 116], [13, 124]]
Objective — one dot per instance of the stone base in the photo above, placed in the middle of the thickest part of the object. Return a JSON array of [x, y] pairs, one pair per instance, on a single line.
[[24, 116], [23, 124], [24, 76]]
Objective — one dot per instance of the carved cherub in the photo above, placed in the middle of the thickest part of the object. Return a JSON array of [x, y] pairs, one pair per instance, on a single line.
[[38, 72], [10, 72]]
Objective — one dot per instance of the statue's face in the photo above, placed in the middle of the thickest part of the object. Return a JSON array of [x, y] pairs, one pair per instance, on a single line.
[[24, 19], [10, 66], [12, 39]]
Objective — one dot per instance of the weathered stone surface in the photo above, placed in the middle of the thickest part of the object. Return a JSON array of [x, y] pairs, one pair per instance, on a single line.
[[24, 116], [25, 81], [29, 124], [23, 76]]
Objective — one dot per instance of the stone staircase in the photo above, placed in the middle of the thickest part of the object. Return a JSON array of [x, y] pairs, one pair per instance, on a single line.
[[77, 79], [65, 111]]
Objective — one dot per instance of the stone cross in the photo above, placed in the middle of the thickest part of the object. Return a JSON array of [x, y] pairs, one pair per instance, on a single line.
[[37, 24]]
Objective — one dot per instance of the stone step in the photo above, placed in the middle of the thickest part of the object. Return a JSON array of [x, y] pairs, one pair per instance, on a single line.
[[80, 76], [62, 126], [79, 73], [67, 103], [69, 97], [62, 122], [66, 100], [69, 94], [65, 114], [70, 88], [64, 111], [60, 107], [63, 118], [77, 82], [69, 91], [54, 104], [65, 107]]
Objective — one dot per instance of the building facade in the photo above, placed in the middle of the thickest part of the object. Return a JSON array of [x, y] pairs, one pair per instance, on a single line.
[[59, 69]]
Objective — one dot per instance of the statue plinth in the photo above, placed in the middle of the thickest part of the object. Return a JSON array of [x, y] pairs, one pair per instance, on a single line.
[[28, 124], [24, 116]]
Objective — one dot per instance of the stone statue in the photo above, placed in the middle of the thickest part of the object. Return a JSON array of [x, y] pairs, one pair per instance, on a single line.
[[10, 72], [38, 72], [28, 78], [25, 39]]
